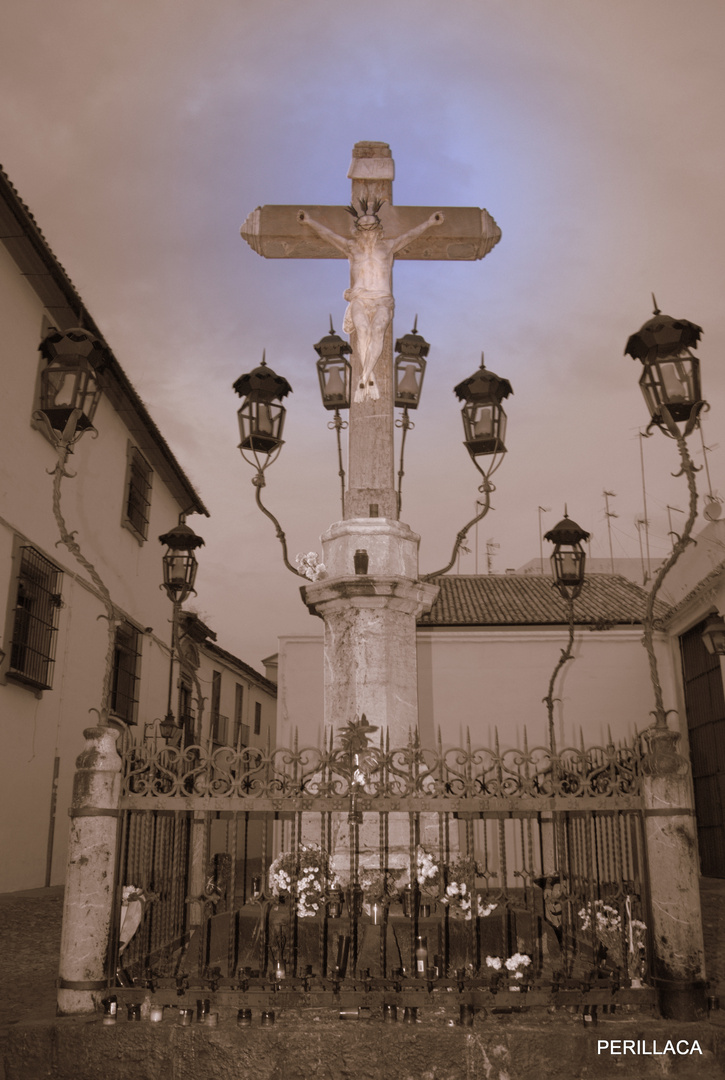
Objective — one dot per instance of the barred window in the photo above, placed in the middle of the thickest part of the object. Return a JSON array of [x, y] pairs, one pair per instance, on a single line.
[[124, 685], [138, 493], [35, 621]]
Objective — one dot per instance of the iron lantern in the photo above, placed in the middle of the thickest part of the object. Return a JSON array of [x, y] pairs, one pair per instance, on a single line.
[[670, 381], [69, 389], [411, 350], [168, 726], [568, 558], [261, 419], [484, 420], [713, 636], [179, 561], [334, 370]]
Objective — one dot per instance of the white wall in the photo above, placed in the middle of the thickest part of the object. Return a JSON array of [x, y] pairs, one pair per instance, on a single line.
[[37, 726], [481, 679]]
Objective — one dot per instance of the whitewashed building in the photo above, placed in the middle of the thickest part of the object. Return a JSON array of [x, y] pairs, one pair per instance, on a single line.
[[123, 489]]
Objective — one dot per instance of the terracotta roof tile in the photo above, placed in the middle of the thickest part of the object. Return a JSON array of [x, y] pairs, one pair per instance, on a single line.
[[531, 600]]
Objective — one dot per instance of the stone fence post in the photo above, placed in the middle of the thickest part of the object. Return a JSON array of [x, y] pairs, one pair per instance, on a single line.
[[674, 879], [89, 887]]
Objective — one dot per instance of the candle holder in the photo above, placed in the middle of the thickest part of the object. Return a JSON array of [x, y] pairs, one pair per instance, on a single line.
[[244, 1018], [185, 1017]]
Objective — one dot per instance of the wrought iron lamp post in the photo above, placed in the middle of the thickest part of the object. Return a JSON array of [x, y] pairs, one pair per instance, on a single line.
[[261, 421], [484, 427], [180, 566], [670, 383], [567, 564], [335, 375], [69, 396], [408, 373]]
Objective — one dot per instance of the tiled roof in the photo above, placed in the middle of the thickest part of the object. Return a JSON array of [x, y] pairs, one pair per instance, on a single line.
[[20, 234], [531, 600]]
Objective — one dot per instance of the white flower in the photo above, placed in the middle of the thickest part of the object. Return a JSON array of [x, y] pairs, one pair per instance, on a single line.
[[518, 960], [494, 962]]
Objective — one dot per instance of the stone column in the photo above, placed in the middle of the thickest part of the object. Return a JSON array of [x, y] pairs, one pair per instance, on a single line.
[[370, 624], [89, 887], [674, 879]]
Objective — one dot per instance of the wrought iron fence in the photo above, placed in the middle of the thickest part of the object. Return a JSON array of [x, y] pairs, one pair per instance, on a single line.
[[345, 874]]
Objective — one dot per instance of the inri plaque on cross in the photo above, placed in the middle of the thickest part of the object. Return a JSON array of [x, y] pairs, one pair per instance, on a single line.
[[371, 233]]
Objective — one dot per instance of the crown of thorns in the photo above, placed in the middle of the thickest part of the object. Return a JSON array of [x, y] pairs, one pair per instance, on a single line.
[[365, 209]]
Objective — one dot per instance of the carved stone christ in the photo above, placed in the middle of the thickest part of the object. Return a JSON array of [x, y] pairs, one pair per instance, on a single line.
[[370, 296]]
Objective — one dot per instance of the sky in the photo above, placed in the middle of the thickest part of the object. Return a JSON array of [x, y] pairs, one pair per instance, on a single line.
[[142, 132]]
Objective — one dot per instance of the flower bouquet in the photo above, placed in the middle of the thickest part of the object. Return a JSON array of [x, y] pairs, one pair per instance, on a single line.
[[304, 874], [461, 890], [515, 965]]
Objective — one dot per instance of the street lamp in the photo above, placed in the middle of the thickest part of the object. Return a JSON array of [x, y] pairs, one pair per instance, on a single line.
[[411, 350], [568, 558], [484, 427], [670, 383], [335, 374], [670, 380], [484, 420], [334, 370], [261, 420], [713, 636], [180, 566], [567, 563], [179, 561], [408, 373], [69, 389]]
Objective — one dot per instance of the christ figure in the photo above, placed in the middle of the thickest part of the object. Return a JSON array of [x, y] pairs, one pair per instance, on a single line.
[[370, 296]]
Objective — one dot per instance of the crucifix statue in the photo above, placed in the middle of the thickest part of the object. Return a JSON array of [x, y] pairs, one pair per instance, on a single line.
[[370, 296], [380, 234]]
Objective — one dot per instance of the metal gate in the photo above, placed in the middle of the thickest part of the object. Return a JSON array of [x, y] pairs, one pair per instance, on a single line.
[[360, 874]]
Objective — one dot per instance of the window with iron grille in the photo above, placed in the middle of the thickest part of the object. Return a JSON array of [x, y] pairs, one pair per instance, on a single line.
[[257, 717], [138, 493], [35, 620], [126, 663]]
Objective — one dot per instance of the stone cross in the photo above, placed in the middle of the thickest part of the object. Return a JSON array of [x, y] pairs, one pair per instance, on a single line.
[[377, 233]]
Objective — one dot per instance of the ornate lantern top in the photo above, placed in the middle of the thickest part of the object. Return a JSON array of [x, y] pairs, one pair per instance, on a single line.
[[262, 384], [332, 345], [483, 386], [566, 532], [181, 538], [412, 344], [662, 336]]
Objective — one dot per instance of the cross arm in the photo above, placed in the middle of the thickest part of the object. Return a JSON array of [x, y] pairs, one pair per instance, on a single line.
[[467, 232]]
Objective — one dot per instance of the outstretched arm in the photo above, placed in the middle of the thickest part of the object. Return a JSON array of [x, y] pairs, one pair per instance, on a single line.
[[340, 242], [402, 241]]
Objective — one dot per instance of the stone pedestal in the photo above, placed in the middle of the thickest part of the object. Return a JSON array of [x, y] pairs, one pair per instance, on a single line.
[[370, 653], [89, 888], [674, 881], [370, 624]]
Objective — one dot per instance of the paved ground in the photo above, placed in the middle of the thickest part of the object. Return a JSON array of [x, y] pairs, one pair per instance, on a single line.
[[30, 942]]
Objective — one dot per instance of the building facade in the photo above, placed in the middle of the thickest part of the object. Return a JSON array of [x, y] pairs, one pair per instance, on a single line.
[[119, 492]]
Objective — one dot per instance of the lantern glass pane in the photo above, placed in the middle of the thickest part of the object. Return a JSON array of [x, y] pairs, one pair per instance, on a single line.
[[407, 382], [569, 566], [260, 425], [485, 427], [334, 383]]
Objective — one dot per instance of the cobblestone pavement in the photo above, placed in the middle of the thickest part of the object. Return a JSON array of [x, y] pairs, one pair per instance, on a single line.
[[30, 924], [29, 949]]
